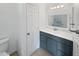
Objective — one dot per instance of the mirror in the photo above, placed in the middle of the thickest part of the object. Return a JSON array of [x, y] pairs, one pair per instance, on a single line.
[[58, 21]]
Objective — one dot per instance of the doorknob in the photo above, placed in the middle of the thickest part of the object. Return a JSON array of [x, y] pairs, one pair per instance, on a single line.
[[72, 24], [28, 33]]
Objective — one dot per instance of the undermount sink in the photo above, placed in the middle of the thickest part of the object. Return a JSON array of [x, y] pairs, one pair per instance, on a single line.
[[55, 29]]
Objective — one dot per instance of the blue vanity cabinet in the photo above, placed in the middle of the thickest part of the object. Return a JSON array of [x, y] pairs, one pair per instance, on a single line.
[[57, 46]]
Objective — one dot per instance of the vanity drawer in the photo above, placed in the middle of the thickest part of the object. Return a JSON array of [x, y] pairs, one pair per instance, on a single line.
[[66, 42], [43, 34], [53, 37]]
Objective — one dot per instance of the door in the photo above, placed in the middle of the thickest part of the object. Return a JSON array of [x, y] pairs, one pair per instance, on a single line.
[[32, 28]]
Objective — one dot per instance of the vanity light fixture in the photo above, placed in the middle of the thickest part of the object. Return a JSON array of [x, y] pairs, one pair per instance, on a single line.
[[58, 6]]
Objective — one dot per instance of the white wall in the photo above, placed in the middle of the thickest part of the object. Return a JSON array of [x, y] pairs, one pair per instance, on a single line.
[[42, 15], [9, 17]]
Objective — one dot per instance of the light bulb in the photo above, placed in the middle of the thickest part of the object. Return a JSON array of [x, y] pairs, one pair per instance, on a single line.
[[53, 8], [62, 6], [58, 6]]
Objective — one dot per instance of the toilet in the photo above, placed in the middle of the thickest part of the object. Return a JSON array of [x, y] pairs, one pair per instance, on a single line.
[[4, 46]]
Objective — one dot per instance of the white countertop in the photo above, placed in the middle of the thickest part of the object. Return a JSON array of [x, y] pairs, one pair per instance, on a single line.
[[60, 33]]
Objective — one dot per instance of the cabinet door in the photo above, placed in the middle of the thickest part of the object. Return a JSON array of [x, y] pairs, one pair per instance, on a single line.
[[51, 46], [67, 50], [42, 44], [43, 39]]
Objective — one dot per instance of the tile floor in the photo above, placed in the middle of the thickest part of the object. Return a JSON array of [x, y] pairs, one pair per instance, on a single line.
[[41, 52], [38, 52]]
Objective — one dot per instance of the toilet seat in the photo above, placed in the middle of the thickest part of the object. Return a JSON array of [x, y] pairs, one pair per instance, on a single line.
[[4, 54]]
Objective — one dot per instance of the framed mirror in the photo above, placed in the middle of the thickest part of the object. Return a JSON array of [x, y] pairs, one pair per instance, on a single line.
[[58, 20]]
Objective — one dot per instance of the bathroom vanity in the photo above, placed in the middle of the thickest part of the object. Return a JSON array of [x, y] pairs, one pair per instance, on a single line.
[[57, 35], [56, 42]]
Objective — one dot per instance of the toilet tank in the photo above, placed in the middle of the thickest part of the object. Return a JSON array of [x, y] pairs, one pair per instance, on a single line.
[[4, 44]]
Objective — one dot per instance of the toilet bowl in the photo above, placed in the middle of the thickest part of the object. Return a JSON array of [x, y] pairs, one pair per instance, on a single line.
[[4, 54], [4, 40]]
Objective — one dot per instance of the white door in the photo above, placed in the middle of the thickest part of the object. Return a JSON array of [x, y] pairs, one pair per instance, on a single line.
[[32, 28]]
